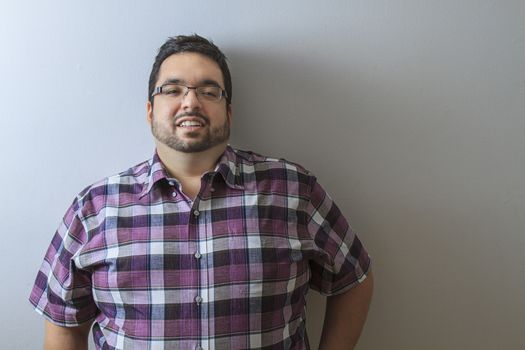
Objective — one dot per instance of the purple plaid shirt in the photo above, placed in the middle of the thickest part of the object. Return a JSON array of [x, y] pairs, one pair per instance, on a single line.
[[229, 270]]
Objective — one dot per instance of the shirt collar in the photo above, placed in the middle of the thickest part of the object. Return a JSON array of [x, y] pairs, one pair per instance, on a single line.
[[229, 166]]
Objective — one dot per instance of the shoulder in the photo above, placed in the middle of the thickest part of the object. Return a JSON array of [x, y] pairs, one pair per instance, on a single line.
[[108, 190], [264, 162], [258, 167]]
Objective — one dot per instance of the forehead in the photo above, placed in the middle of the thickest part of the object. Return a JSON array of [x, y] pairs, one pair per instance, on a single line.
[[191, 68]]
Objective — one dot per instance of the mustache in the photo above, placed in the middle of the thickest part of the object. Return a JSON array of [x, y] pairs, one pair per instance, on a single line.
[[191, 114]]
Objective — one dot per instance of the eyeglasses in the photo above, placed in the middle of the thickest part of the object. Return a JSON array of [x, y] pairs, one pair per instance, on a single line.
[[210, 93]]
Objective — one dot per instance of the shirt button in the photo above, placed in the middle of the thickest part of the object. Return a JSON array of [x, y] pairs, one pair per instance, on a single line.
[[174, 194], [196, 213], [212, 189], [198, 299], [171, 183], [197, 255]]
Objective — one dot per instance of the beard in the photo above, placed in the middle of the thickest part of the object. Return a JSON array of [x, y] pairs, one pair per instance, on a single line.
[[196, 141]]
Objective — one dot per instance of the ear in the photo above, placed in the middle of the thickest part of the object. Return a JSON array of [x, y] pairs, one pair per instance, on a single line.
[[229, 112], [149, 112]]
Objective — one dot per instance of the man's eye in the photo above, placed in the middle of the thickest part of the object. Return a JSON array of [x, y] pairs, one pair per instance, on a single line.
[[172, 91], [210, 92]]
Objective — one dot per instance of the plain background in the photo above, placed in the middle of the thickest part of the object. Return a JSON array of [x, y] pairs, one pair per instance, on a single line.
[[411, 114]]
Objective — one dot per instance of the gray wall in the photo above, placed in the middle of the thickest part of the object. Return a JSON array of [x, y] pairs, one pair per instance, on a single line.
[[411, 113]]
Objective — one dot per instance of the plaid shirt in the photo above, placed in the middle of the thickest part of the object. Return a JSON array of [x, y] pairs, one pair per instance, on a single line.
[[229, 270]]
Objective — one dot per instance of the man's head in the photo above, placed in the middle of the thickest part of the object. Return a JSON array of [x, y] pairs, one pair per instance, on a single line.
[[192, 43], [188, 107]]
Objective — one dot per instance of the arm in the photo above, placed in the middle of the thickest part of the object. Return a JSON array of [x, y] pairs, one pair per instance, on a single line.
[[66, 338], [345, 316]]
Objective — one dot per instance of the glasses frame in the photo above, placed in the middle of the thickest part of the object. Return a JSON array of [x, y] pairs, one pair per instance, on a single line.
[[158, 91]]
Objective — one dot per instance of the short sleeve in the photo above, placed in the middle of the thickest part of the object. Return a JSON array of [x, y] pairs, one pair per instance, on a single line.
[[341, 262], [62, 292]]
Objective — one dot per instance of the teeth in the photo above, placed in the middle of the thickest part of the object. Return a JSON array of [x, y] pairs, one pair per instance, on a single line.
[[190, 123]]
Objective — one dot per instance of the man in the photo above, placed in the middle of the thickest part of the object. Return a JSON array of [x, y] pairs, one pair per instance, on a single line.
[[203, 246]]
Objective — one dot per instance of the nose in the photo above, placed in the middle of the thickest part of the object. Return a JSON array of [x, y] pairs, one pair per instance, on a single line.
[[190, 100]]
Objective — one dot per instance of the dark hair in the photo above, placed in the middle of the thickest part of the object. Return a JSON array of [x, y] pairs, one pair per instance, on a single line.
[[191, 43]]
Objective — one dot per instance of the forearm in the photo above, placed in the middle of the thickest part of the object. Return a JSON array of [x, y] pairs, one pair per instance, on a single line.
[[345, 317], [62, 338]]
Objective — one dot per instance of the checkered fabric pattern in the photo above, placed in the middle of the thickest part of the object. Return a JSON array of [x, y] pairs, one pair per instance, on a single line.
[[229, 270]]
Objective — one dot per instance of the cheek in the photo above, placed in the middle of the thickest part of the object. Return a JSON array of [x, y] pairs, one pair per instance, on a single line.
[[165, 111], [218, 113]]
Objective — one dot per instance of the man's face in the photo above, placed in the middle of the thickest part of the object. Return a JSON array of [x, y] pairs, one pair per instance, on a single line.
[[174, 121]]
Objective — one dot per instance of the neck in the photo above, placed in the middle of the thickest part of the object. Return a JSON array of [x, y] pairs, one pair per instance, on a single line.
[[189, 165]]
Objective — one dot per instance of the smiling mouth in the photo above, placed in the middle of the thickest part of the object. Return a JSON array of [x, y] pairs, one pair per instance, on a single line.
[[190, 124], [190, 128]]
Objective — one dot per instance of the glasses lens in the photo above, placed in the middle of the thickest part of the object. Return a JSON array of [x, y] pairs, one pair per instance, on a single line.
[[173, 90], [210, 93]]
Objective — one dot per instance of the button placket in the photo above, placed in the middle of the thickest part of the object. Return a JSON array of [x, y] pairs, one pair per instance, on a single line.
[[173, 188], [199, 298]]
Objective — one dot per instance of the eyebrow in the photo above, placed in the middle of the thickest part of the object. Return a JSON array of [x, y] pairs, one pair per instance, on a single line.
[[201, 83]]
